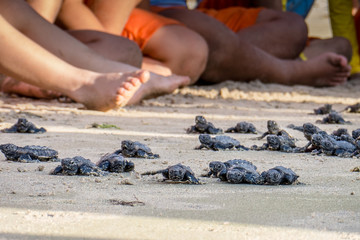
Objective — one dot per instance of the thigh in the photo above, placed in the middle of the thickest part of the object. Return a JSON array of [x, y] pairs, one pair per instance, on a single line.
[[216, 34], [110, 46]]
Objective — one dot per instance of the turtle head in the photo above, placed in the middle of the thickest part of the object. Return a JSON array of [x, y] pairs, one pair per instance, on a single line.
[[273, 141], [200, 120], [8, 148], [327, 146], [176, 173], [205, 138], [272, 126], [272, 176], [129, 166], [127, 144], [316, 139], [22, 125], [216, 167], [234, 175]]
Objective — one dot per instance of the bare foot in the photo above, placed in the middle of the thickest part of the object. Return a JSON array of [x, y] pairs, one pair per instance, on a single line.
[[328, 69], [159, 85], [10, 85], [107, 91]]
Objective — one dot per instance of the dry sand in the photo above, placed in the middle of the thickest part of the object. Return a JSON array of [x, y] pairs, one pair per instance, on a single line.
[[36, 205]]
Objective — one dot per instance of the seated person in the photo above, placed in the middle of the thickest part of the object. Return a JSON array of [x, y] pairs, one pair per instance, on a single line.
[[64, 65], [168, 46], [246, 44]]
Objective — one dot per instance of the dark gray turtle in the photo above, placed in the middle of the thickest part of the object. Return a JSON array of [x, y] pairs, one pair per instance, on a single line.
[[274, 129], [23, 126], [278, 143], [219, 143], [355, 108], [333, 118], [337, 148], [29, 153], [216, 167], [135, 150], [77, 166], [177, 173], [203, 126], [309, 130], [326, 109], [279, 175], [243, 127], [115, 163], [356, 133], [244, 173], [339, 132]]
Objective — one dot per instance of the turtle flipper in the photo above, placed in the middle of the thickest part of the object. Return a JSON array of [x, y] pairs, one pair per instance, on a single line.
[[190, 177]]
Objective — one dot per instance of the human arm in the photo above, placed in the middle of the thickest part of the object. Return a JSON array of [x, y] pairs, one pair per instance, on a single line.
[[85, 18], [112, 14]]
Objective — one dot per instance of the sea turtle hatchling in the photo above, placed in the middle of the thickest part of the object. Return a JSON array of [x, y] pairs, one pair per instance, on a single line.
[[23, 126], [278, 143], [115, 163], [243, 127], [219, 143], [326, 109], [274, 128], [217, 167], [355, 108], [28, 153], [244, 173], [176, 173], [135, 150], [203, 126], [76, 166], [279, 175], [333, 118]]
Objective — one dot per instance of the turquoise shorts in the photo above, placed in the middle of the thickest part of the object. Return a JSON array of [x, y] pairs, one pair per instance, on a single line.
[[301, 7]]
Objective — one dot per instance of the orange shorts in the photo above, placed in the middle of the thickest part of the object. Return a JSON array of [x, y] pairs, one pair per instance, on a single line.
[[142, 24], [236, 18]]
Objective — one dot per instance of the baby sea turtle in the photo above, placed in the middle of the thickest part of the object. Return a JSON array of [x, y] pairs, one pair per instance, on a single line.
[[338, 148], [28, 153], [219, 143], [279, 175], [274, 128], [243, 127], [355, 133], [243, 174], [115, 163], [77, 166], [203, 126], [309, 130], [326, 109], [135, 150], [333, 118], [23, 126], [355, 108], [216, 167], [177, 173], [278, 143]]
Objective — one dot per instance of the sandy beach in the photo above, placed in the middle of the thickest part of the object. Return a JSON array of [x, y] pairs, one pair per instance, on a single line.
[[37, 205]]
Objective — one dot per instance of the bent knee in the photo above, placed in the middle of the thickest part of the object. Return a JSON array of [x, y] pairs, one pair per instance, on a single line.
[[343, 47], [184, 51]]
